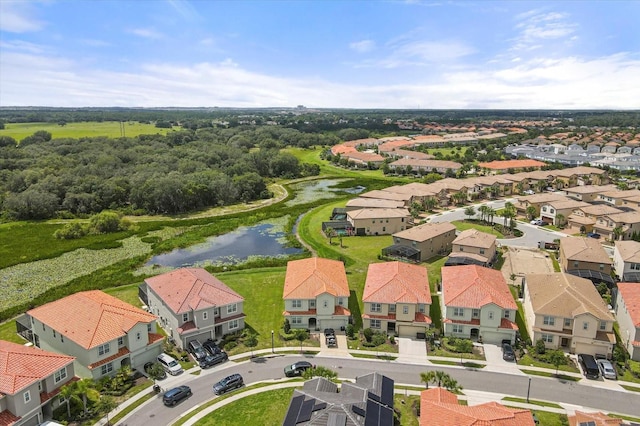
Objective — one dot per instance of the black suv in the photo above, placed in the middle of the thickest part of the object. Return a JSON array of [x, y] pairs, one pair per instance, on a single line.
[[197, 350], [175, 395], [211, 346], [211, 360], [297, 369], [227, 384], [507, 352]]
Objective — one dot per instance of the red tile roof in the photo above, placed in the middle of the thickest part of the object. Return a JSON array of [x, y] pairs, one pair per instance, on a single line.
[[598, 419], [122, 352], [7, 418], [308, 278], [187, 289], [396, 282], [21, 366], [630, 293], [511, 164], [91, 318], [439, 407], [475, 286]]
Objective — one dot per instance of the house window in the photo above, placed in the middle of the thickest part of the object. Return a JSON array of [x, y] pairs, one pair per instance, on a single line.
[[120, 341], [386, 221], [205, 315], [148, 328], [575, 264], [232, 308], [374, 323], [551, 211], [138, 336], [421, 308], [326, 304], [601, 267], [490, 315], [585, 325], [373, 221], [340, 301], [296, 320], [103, 349], [475, 313], [547, 338], [457, 328], [507, 314], [461, 248], [106, 368], [312, 304], [481, 251], [458, 312], [405, 310], [27, 397], [603, 325], [547, 320], [62, 338], [635, 266], [233, 324], [296, 303], [384, 228], [376, 307], [392, 308], [43, 329], [54, 333], [60, 375], [216, 312], [567, 322], [185, 317]]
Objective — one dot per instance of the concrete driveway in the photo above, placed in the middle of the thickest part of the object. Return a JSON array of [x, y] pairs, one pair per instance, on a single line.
[[411, 350], [493, 355]]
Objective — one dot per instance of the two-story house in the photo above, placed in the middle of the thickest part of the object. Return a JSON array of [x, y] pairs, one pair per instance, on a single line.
[[316, 294], [587, 216], [473, 247], [397, 298], [428, 240], [30, 379], [626, 260], [476, 303], [193, 304], [587, 193], [585, 257], [378, 221], [628, 316], [102, 332], [557, 212], [567, 312], [619, 226], [536, 201]]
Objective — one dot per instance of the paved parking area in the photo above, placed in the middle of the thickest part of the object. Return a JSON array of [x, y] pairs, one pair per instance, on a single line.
[[411, 350], [340, 350], [521, 261], [493, 355]]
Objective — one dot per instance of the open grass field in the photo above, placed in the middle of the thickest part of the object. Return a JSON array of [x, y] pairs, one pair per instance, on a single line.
[[110, 129], [464, 225]]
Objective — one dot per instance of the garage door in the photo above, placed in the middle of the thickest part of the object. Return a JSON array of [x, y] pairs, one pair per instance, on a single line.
[[495, 338], [409, 331], [582, 348]]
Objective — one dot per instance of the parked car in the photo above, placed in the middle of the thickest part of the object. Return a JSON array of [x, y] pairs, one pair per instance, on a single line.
[[529, 192], [538, 222], [606, 369], [593, 235], [589, 366], [227, 384], [197, 350], [508, 353], [297, 369], [211, 347], [331, 341], [175, 395], [155, 370], [211, 360], [169, 364], [329, 332]]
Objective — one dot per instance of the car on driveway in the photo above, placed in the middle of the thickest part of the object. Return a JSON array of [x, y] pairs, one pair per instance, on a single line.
[[593, 235], [606, 369], [538, 222], [211, 360], [197, 350], [227, 384], [175, 395], [211, 347], [508, 353], [297, 369], [589, 366], [329, 332]]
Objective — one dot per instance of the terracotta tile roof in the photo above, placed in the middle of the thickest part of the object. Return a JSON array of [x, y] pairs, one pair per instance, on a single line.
[[21, 366], [466, 322], [439, 409], [475, 286], [598, 419], [565, 295], [338, 310], [475, 238], [378, 213], [91, 318], [309, 278], [46, 396], [511, 164], [426, 164], [187, 289], [122, 352], [629, 250], [584, 249], [426, 231], [7, 418], [396, 282], [630, 293], [374, 203]]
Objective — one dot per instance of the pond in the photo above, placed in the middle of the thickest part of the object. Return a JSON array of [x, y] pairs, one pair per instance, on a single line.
[[309, 191], [264, 239]]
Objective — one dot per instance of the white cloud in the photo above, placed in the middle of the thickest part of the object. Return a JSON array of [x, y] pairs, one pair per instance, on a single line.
[[536, 27], [17, 17], [146, 33], [363, 46]]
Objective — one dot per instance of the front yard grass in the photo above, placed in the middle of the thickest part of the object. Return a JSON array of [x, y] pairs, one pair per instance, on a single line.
[[465, 364], [9, 334], [531, 362], [531, 401], [464, 225], [553, 375]]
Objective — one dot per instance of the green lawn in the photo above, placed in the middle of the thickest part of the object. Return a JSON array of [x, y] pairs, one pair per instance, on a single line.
[[89, 129], [547, 374], [531, 401], [529, 361], [8, 332], [464, 225]]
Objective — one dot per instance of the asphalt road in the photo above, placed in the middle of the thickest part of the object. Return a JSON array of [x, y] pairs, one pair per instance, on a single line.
[[154, 412]]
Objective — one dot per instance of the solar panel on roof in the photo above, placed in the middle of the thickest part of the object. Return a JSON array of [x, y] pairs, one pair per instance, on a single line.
[[371, 395], [386, 416], [589, 423], [373, 414], [359, 411], [387, 391], [291, 418], [320, 406], [305, 411]]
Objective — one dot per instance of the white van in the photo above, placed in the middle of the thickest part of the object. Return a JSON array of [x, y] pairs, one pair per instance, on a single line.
[[169, 364]]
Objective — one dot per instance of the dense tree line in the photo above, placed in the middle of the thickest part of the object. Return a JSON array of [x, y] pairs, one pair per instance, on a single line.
[[186, 170]]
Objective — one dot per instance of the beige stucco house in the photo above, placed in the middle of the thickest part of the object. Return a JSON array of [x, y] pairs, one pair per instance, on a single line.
[[567, 312], [473, 247], [193, 304], [585, 257], [30, 380], [102, 332], [316, 294], [379, 221], [628, 316], [626, 224], [626, 260], [476, 303], [430, 239], [557, 212], [396, 299]]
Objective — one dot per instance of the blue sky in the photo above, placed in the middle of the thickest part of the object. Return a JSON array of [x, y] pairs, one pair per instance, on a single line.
[[324, 54]]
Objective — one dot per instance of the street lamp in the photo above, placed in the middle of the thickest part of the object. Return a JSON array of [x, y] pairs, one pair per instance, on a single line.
[[528, 389], [272, 349]]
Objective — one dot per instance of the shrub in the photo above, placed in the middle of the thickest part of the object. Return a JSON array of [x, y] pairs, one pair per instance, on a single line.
[[287, 326], [71, 231], [378, 339], [230, 345], [368, 334], [540, 349], [350, 331]]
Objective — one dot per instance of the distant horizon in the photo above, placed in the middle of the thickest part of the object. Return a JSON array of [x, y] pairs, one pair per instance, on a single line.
[[347, 54]]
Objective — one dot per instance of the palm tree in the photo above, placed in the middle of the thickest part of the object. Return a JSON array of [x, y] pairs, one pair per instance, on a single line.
[[430, 203], [490, 214], [470, 212], [560, 219], [67, 392], [451, 385], [541, 185], [84, 388], [519, 187], [483, 211], [328, 231], [427, 377], [531, 212]]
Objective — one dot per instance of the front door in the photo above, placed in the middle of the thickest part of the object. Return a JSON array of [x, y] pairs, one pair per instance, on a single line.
[[564, 342]]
